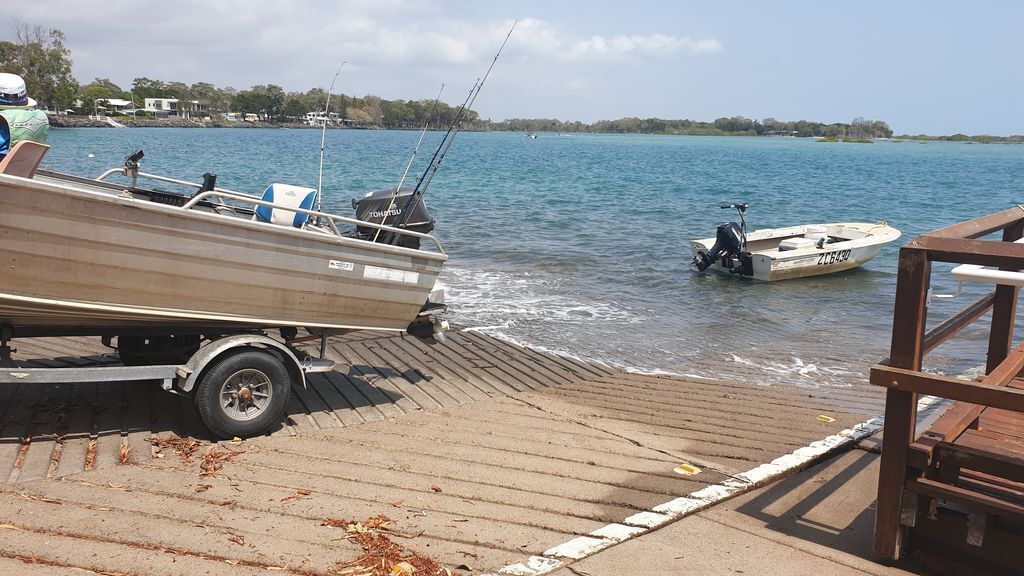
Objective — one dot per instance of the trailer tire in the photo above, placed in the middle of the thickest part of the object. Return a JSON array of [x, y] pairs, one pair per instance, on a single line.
[[243, 394]]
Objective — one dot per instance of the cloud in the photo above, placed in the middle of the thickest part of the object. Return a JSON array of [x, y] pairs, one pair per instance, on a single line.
[[393, 48], [546, 40], [284, 33]]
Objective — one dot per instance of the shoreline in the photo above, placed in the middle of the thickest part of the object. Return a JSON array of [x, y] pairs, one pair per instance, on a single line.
[[57, 121]]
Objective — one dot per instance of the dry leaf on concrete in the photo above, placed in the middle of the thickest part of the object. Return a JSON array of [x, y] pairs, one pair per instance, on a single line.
[[298, 494]]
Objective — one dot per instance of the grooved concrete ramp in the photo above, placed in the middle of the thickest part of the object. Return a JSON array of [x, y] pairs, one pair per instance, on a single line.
[[481, 452]]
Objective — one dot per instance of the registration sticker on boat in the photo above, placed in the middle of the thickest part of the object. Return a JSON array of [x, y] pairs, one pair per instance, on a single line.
[[340, 265], [391, 275]]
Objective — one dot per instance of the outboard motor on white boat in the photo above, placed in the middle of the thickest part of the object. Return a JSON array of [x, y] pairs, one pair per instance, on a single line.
[[730, 243], [385, 207]]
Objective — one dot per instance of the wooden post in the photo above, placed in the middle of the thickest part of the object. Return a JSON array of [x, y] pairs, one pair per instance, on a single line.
[[1004, 311], [907, 351]]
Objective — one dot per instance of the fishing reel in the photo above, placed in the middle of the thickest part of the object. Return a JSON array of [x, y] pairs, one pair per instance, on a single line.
[[131, 165]]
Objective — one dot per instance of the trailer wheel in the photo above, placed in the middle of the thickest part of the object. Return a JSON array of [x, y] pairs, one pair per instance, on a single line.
[[243, 394]]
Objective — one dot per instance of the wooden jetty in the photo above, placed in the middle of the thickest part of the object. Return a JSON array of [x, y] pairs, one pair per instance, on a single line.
[[956, 489], [482, 453]]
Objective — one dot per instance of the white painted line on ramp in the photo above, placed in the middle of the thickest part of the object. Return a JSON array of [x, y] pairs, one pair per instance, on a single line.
[[643, 522]]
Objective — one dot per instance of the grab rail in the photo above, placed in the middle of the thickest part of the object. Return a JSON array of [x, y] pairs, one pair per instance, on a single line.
[[331, 219], [979, 273]]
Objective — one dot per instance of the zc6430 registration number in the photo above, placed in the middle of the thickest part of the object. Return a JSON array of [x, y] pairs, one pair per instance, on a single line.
[[834, 257]]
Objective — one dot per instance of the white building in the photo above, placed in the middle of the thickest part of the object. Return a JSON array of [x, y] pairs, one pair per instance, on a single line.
[[117, 104], [174, 108], [317, 118]]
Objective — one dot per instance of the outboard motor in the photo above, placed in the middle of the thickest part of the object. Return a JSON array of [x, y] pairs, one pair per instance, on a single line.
[[386, 207], [728, 242]]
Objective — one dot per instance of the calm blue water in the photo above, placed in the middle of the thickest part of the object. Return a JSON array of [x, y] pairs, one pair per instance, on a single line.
[[578, 243]]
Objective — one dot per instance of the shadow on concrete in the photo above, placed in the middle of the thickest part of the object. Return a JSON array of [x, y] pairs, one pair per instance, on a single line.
[[831, 504], [39, 423]]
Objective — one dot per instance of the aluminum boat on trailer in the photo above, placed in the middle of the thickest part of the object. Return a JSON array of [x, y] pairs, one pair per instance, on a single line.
[[192, 281], [90, 257], [790, 252]]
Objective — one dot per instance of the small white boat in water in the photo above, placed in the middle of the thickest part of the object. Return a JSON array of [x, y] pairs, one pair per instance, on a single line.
[[791, 252]]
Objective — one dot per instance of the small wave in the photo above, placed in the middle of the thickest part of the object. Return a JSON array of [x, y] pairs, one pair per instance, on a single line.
[[660, 372], [494, 333], [506, 299], [806, 374]]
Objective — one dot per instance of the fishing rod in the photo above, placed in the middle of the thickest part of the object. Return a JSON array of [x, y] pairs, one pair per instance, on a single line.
[[446, 142], [394, 195], [323, 137], [426, 122]]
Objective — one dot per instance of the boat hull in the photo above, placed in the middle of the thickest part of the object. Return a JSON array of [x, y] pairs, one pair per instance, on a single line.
[[78, 259], [768, 263]]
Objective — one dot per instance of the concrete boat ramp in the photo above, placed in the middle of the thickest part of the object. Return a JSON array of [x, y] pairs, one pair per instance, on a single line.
[[485, 456]]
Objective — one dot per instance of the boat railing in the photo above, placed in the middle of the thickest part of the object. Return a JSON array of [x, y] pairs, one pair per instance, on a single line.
[[331, 220]]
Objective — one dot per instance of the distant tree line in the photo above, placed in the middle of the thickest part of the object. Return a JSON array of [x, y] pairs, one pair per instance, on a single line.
[[983, 138], [40, 56], [736, 125], [270, 103]]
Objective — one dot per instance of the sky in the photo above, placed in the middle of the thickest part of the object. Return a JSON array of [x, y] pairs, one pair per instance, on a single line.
[[925, 67]]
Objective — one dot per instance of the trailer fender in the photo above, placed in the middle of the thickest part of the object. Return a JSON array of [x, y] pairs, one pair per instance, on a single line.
[[190, 372]]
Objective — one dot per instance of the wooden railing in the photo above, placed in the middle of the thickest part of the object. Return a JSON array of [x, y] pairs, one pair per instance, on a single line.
[[904, 455]]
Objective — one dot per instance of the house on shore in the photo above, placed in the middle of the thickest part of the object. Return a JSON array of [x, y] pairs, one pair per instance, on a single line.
[[317, 118], [174, 108]]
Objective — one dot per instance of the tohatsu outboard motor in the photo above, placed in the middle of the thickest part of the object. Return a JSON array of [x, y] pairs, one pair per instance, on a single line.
[[389, 208], [402, 209], [730, 246], [728, 243]]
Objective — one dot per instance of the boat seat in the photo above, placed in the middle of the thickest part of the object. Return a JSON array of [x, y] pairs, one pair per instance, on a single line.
[[285, 196], [23, 159]]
